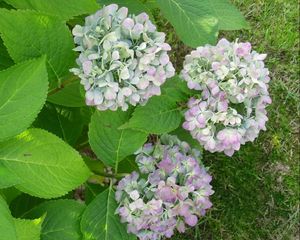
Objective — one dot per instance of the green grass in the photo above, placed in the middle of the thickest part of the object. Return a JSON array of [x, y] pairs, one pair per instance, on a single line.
[[257, 190]]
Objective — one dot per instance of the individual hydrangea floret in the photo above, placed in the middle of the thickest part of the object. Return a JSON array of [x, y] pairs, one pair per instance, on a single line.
[[171, 193], [233, 82], [123, 59]]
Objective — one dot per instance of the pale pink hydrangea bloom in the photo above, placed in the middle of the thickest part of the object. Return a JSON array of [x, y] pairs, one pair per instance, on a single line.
[[233, 83], [172, 194]]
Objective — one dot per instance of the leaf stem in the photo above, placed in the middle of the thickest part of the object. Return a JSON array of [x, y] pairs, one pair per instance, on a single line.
[[117, 176], [98, 169], [83, 145], [69, 81]]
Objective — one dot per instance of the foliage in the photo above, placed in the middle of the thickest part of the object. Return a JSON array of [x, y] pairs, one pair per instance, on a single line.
[[54, 148], [257, 190]]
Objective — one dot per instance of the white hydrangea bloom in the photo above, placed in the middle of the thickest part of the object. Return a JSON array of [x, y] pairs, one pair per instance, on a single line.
[[123, 59], [233, 82]]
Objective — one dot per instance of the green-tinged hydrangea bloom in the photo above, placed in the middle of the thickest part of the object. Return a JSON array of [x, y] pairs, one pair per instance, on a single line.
[[123, 59]]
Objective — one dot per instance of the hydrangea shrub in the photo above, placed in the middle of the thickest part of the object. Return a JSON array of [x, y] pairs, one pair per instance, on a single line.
[[88, 99]]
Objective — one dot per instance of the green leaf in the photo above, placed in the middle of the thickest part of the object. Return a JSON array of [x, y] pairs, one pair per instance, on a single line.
[[28, 229], [63, 9], [7, 227], [134, 6], [65, 123], [62, 221], [23, 203], [192, 20], [152, 4], [9, 194], [94, 165], [72, 95], [5, 5], [35, 34], [79, 20], [202, 18], [128, 165], [159, 115], [110, 143], [91, 191], [23, 91], [47, 166], [5, 60], [176, 90], [230, 18], [99, 221], [7, 177], [184, 135]]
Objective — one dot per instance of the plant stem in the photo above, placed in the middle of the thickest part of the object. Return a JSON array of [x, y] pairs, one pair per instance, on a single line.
[[65, 83], [82, 145], [117, 176], [97, 167]]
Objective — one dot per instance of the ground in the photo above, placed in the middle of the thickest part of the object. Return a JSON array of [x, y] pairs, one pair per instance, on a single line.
[[257, 190]]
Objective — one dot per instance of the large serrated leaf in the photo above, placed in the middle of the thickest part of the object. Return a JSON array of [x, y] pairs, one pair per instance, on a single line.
[[65, 9], [91, 191], [111, 144], [64, 122], [192, 20], [7, 177], [197, 21], [159, 115], [99, 221], [5, 60], [47, 166], [5, 5], [134, 6], [7, 227], [23, 91], [152, 4], [184, 135], [230, 18], [9, 194], [176, 90], [62, 221], [28, 229], [23, 203], [72, 95], [35, 34]]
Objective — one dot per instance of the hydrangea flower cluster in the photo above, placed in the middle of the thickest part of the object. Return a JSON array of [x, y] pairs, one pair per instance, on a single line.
[[123, 59], [233, 82], [172, 192]]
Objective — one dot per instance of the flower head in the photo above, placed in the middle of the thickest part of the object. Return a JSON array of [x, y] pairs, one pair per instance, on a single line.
[[173, 192], [123, 59], [233, 82]]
